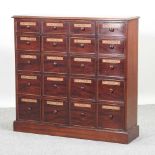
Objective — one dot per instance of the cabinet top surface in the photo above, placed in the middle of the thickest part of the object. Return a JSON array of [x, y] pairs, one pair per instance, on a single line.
[[76, 18]]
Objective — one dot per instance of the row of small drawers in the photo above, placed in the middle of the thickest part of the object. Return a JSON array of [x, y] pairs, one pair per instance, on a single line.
[[76, 44], [81, 113], [77, 87], [74, 27], [61, 63]]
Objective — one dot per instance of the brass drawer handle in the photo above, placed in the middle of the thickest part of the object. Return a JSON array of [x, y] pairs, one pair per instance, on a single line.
[[55, 28], [111, 46], [29, 83], [54, 44], [29, 62], [82, 87], [28, 43], [82, 29], [28, 26], [55, 63], [29, 108], [82, 65], [55, 111], [112, 67], [111, 90], [111, 29], [82, 45], [55, 86], [111, 116]]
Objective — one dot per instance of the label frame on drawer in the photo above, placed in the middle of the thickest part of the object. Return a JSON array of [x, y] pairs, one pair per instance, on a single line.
[[83, 25], [109, 107], [28, 39], [82, 81], [82, 41], [28, 23], [29, 77], [55, 103], [61, 79], [52, 24], [111, 25], [27, 100], [114, 83], [58, 58], [58, 40], [113, 42], [25, 56], [111, 61], [82, 105], [82, 59]]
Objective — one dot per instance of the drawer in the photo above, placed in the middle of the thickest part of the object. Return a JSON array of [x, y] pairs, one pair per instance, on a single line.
[[29, 84], [111, 116], [55, 86], [55, 111], [112, 28], [28, 43], [111, 90], [111, 46], [111, 67], [83, 65], [29, 108], [28, 62], [83, 113], [54, 43], [55, 27], [83, 88], [79, 27], [55, 63], [27, 26], [83, 45]]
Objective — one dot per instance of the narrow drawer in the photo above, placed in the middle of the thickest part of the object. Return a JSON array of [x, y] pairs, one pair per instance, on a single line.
[[27, 26], [54, 43], [28, 62], [111, 116], [111, 46], [83, 65], [29, 108], [112, 28], [55, 63], [83, 113], [83, 88], [79, 27], [28, 43], [111, 90], [55, 27], [55, 111], [55, 86], [29, 84], [111, 67], [83, 45]]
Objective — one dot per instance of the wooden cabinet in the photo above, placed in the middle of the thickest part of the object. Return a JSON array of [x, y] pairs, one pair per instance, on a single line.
[[77, 77]]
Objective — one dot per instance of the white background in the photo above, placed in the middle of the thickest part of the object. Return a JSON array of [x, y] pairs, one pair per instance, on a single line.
[[92, 8]]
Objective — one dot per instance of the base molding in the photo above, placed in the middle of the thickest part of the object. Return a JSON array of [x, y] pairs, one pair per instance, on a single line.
[[76, 132]]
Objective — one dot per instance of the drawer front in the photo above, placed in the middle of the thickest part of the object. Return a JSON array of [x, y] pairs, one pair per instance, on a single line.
[[111, 46], [112, 29], [79, 27], [29, 84], [28, 43], [83, 65], [111, 116], [55, 111], [55, 27], [83, 88], [111, 90], [28, 108], [55, 64], [111, 67], [28, 62], [55, 86], [27, 26], [83, 45], [54, 44], [83, 114]]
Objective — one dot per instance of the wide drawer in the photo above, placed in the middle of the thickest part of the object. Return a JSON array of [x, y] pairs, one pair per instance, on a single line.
[[82, 27], [28, 43], [83, 65], [55, 111], [55, 27], [110, 116], [28, 62], [111, 46], [54, 43], [83, 88], [111, 90], [55, 86], [29, 108], [83, 113], [27, 25], [111, 67], [82, 45], [55, 63], [29, 83], [112, 28]]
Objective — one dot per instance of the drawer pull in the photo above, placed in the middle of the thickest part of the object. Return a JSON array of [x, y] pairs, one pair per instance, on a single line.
[[55, 63], [54, 79], [29, 62], [82, 59], [28, 43], [111, 83], [28, 100], [54, 25], [82, 81], [55, 86], [54, 44], [29, 108], [82, 105], [28, 39], [55, 111], [111, 116], [110, 107], [80, 41], [28, 56], [82, 65], [111, 67], [111, 42], [27, 24], [54, 58], [111, 46], [111, 29], [55, 103], [82, 29], [111, 26], [82, 87], [28, 77], [111, 90], [29, 83], [83, 114], [55, 28], [110, 61], [82, 25], [82, 45], [54, 40]]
